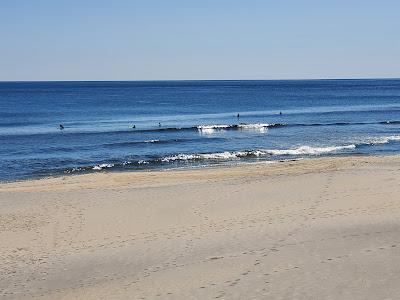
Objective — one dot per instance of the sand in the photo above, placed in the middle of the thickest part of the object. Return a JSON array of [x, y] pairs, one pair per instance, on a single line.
[[325, 228]]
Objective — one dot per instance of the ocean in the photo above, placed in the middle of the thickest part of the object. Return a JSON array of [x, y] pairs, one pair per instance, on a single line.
[[139, 126]]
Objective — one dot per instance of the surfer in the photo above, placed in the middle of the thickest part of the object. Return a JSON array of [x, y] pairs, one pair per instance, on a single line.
[[134, 126], [61, 127], [159, 124]]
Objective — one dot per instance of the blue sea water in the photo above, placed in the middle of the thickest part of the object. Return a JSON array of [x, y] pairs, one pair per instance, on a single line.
[[199, 126]]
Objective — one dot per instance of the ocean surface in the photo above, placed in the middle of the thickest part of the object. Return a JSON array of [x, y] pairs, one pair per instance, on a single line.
[[190, 124]]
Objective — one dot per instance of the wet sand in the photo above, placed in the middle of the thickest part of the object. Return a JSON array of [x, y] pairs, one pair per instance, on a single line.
[[325, 228]]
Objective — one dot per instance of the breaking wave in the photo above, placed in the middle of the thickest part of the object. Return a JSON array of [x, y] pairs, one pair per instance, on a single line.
[[102, 166], [243, 126], [303, 150], [380, 140], [300, 151], [200, 128]]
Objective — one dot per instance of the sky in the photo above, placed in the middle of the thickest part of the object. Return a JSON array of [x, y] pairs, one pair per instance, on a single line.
[[185, 40]]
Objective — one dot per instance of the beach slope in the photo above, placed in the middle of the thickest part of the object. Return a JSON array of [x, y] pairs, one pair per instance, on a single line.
[[326, 228]]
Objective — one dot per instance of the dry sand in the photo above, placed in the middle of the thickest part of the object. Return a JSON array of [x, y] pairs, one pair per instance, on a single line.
[[325, 228]]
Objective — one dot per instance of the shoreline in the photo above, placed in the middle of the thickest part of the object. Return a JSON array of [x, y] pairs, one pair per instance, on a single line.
[[320, 228], [212, 170]]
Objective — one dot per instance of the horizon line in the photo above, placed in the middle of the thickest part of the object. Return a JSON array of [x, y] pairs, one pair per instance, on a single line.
[[185, 80]]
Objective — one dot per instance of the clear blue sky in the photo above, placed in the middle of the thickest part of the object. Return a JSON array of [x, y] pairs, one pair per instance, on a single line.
[[219, 39]]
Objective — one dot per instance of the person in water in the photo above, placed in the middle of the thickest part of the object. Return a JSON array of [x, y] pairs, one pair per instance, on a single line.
[[61, 127], [238, 116], [159, 124], [134, 126]]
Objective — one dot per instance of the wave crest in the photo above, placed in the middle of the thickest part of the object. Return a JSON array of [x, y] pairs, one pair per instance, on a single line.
[[307, 150], [102, 166], [303, 150], [251, 126], [381, 140]]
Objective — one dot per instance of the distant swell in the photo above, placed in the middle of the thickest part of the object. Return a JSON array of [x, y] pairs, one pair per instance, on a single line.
[[200, 128], [257, 126], [328, 124], [153, 142]]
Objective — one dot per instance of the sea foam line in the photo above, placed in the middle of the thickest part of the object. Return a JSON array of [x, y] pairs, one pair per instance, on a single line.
[[303, 150], [226, 155]]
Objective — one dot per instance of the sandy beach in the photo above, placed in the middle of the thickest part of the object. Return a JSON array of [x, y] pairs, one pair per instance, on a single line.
[[324, 228]]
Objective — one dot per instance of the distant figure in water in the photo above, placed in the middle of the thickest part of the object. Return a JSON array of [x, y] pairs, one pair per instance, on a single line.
[[238, 116], [159, 124], [134, 126], [280, 112], [61, 127]]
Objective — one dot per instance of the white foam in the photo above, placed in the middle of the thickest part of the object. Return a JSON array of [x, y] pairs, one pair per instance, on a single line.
[[179, 157], [218, 155], [152, 141], [75, 169], [254, 126], [242, 125], [102, 166], [257, 126], [307, 150], [222, 155], [381, 140], [205, 127], [211, 128], [304, 150]]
